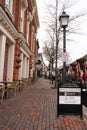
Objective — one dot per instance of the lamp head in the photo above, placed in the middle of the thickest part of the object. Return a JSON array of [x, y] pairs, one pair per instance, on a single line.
[[64, 19]]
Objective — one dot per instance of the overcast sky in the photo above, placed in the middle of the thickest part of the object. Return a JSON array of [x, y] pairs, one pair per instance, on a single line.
[[78, 47]]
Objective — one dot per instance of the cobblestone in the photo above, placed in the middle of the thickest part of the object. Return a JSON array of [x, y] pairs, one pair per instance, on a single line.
[[35, 108]]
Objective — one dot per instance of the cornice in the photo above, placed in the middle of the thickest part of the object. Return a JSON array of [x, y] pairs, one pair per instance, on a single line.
[[9, 13], [24, 44], [7, 23]]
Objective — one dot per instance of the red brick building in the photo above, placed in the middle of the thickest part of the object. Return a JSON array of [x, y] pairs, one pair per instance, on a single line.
[[18, 45]]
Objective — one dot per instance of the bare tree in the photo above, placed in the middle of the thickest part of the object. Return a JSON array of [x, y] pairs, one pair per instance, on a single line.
[[49, 51], [53, 11]]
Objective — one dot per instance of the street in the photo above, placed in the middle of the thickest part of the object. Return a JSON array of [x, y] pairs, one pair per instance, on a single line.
[[35, 108]]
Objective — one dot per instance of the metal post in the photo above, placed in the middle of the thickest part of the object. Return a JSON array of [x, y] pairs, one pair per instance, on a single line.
[[49, 70], [52, 70], [64, 51]]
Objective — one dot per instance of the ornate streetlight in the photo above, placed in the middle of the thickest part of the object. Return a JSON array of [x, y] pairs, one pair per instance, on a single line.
[[64, 19]]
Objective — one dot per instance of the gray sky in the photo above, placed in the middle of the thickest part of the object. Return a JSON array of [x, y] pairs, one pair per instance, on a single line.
[[78, 47]]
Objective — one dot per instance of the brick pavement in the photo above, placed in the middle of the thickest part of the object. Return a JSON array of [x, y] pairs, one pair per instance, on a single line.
[[35, 109]]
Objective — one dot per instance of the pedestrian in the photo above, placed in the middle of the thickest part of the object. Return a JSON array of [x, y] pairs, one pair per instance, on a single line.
[[85, 78]]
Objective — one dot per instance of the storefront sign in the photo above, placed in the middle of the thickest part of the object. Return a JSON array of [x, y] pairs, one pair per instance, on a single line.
[[69, 96]]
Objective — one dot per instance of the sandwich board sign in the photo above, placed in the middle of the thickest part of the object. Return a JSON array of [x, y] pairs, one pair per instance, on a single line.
[[69, 100]]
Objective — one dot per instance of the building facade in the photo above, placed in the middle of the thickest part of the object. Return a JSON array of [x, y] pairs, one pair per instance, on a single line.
[[18, 46], [40, 66]]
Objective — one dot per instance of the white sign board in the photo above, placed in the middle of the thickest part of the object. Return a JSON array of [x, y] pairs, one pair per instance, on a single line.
[[69, 96], [65, 56]]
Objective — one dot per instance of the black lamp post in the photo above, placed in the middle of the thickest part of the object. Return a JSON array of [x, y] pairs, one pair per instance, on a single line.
[[49, 70], [52, 68], [64, 18]]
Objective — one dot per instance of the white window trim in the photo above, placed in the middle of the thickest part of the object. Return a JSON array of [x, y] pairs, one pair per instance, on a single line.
[[9, 5]]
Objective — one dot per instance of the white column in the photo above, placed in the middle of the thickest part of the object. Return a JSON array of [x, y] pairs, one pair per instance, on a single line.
[[25, 67], [27, 72], [32, 69], [10, 62], [21, 68], [2, 55]]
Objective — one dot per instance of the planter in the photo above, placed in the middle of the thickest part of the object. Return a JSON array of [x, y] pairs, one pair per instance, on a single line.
[[18, 60], [18, 66], [24, 3]]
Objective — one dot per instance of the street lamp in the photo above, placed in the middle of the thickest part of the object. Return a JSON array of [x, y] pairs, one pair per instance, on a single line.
[[52, 68], [64, 19]]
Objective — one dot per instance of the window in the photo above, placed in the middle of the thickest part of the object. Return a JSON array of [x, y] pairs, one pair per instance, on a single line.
[[21, 19], [22, 13], [27, 31], [9, 5]]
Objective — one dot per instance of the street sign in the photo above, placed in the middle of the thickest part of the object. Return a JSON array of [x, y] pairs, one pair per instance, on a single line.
[[65, 56]]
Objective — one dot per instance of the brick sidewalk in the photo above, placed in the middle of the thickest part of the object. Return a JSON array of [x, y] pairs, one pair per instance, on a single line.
[[35, 109]]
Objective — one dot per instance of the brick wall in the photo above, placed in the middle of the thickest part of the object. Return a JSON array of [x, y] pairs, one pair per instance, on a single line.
[[2, 2], [16, 13], [17, 54]]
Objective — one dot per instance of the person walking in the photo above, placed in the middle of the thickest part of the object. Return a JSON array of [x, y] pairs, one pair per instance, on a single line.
[[85, 78]]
